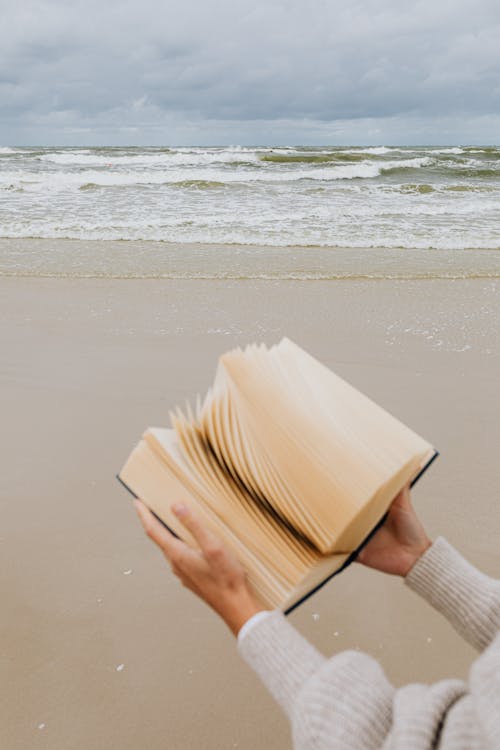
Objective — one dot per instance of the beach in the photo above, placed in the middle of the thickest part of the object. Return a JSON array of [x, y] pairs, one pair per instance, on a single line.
[[101, 646]]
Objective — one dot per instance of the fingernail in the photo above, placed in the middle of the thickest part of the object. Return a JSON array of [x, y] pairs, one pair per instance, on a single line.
[[179, 509]]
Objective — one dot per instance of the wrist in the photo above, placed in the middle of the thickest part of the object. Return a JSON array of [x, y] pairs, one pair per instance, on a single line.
[[239, 608], [416, 555]]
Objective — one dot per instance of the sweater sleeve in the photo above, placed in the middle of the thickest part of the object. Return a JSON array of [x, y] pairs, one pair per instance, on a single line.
[[281, 656], [468, 598], [485, 687], [349, 693]]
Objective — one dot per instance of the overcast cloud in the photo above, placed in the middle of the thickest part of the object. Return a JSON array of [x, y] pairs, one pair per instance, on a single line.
[[234, 71]]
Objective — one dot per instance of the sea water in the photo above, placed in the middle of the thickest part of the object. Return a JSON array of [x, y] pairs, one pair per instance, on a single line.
[[233, 211]]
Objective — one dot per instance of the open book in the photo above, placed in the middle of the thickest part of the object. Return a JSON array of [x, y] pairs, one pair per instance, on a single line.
[[289, 464]]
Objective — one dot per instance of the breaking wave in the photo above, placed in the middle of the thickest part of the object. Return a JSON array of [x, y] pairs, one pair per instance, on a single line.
[[383, 196]]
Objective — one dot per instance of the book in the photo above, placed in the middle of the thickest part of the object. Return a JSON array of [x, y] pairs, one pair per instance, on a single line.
[[290, 465]]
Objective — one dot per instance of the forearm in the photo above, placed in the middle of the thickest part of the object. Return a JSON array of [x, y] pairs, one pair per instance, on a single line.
[[469, 599], [344, 701], [281, 656]]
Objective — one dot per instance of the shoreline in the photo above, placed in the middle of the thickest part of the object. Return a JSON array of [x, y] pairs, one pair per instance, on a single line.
[[129, 259]]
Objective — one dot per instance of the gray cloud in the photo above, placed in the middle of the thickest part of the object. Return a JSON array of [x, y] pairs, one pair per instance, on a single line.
[[188, 69]]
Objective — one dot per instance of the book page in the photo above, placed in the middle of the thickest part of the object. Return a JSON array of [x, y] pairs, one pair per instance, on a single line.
[[283, 554], [333, 451], [150, 479], [292, 465]]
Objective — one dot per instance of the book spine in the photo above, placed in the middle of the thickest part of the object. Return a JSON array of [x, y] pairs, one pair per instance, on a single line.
[[354, 554]]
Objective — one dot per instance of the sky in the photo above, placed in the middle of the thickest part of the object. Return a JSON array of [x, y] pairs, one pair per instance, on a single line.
[[218, 72]]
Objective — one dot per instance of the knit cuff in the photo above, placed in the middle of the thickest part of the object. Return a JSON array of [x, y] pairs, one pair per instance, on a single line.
[[469, 599], [281, 657]]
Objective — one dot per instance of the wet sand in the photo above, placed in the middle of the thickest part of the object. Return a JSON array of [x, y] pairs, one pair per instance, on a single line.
[[88, 364]]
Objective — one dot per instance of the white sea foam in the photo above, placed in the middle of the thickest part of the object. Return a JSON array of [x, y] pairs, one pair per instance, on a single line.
[[57, 181], [377, 150], [455, 150], [213, 231], [160, 159], [355, 197]]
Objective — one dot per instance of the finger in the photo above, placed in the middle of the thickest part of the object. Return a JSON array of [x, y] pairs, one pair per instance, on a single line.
[[208, 541], [405, 499], [402, 499], [360, 556], [172, 547]]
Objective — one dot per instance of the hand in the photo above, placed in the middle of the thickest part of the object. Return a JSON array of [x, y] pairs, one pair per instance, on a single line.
[[400, 541], [212, 572]]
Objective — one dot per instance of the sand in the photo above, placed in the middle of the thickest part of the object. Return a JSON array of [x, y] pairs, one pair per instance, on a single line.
[[101, 647]]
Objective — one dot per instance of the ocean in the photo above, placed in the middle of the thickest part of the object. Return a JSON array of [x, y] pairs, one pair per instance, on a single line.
[[234, 211]]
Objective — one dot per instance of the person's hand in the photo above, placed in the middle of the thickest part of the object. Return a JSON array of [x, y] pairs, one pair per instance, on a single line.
[[212, 572], [400, 541]]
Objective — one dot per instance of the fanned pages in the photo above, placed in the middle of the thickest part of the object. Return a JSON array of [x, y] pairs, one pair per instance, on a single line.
[[287, 462]]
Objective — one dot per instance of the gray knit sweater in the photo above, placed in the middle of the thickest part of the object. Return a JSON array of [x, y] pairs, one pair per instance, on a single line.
[[347, 703]]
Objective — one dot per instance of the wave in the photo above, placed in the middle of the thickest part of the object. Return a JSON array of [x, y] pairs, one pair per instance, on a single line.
[[200, 184], [422, 188], [89, 186], [425, 188], [468, 188], [320, 158], [58, 181], [372, 232], [488, 150], [230, 149], [436, 196], [403, 165], [298, 158], [487, 173], [230, 156], [161, 159], [376, 150], [454, 150], [493, 151], [195, 184]]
